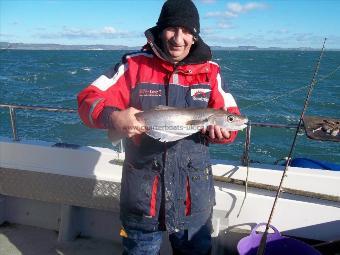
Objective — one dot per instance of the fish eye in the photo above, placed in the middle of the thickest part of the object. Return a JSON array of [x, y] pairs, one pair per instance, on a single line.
[[230, 118]]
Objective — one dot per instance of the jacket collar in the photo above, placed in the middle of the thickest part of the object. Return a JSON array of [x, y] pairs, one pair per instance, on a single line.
[[199, 52]]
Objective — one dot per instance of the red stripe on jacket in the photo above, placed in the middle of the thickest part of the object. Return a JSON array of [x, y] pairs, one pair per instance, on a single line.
[[154, 197]]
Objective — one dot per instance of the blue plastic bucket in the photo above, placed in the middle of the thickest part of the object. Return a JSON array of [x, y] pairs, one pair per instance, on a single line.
[[276, 244]]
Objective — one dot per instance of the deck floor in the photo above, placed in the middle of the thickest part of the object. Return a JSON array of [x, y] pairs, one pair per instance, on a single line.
[[18, 239]]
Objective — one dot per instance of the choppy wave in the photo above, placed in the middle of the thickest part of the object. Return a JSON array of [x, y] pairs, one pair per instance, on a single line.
[[255, 78], [73, 72], [86, 68]]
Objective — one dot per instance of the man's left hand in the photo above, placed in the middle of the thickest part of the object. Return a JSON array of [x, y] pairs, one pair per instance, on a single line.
[[217, 132]]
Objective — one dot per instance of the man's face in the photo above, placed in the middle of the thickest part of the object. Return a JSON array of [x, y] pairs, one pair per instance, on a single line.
[[177, 42]]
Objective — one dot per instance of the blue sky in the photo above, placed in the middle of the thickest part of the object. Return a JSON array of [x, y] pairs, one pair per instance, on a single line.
[[283, 23]]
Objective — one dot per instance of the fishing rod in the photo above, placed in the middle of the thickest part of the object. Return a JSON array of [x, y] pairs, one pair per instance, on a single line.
[[263, 241]]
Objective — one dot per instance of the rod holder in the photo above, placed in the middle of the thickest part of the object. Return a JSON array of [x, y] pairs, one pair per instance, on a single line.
[[245, 157], [13, 123]]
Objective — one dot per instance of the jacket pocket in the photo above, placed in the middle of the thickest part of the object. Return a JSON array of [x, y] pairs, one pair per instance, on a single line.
[[139, 191], [198, 96], [201, 188]]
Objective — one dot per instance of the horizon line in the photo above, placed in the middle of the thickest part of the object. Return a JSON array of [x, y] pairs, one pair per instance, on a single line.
[[126, 46]]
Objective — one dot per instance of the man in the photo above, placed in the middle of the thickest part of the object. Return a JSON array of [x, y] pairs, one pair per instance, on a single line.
[[165, 186]]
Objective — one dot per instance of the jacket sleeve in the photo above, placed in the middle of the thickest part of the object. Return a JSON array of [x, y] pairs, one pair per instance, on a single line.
[[220, 97], [111, 91]]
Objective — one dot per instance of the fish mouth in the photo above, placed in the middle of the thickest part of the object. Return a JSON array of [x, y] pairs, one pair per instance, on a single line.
[[242, 126]]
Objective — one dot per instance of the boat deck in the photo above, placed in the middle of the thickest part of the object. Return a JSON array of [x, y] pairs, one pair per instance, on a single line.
[[71, 197], [16, 239]]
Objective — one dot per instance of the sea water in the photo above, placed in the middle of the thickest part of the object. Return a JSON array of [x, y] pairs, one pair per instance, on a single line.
[[255, 78]]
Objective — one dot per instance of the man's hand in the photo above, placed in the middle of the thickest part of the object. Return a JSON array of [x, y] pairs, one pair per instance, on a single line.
[[217, 132], [125, 122]]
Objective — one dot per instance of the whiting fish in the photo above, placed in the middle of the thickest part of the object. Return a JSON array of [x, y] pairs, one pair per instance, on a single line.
[[168, 124]]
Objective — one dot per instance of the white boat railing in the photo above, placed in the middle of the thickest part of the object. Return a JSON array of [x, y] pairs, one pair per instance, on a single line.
[[245, 158]]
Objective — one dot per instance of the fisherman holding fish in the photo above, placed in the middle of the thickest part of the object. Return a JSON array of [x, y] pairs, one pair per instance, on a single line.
[[167, 182]]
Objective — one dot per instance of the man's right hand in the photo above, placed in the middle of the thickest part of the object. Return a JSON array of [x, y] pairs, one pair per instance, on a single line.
[[125, 122]]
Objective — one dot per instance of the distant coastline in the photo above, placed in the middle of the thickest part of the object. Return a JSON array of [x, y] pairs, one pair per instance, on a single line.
[[36, 46]]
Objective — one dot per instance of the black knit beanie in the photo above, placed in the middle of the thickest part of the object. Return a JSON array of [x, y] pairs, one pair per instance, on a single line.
[[180, 13]]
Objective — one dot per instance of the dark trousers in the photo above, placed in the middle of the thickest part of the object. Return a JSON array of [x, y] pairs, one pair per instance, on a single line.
[[140, 242]]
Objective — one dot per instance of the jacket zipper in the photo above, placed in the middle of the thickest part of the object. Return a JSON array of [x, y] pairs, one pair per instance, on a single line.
[[167, 85]]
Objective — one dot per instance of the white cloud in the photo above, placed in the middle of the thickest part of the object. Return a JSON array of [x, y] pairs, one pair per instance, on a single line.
[[107, 32], [225, 25], [235, 9], [41, 28], [3, 36], [282, 31], [227, 40], [208, 31], [238, 8], [264, 40], [208, 1], [225, 14], [78, 32], [300, 37]]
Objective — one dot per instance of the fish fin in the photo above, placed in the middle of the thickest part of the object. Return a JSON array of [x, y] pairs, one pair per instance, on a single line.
[[163, 107], [197, 122], [167, 136]]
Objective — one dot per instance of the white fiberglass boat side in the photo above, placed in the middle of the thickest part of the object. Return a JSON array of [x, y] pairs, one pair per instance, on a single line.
[[58, 184]]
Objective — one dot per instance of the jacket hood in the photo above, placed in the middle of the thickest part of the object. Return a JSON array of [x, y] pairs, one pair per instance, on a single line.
[[199, 52]]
